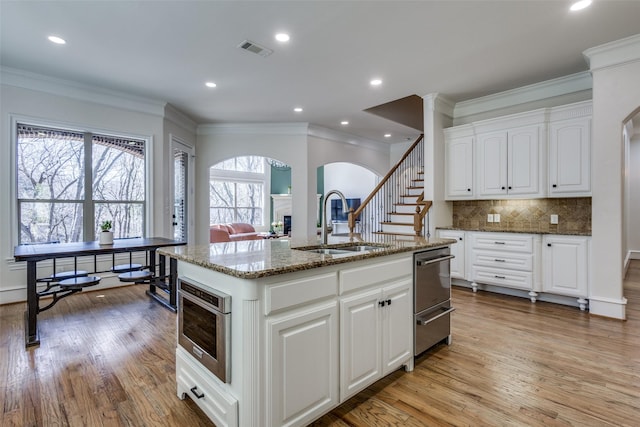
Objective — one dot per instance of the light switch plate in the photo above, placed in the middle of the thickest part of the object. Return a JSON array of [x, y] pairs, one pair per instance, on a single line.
[[554, 219], [496, 217], [489, 217]]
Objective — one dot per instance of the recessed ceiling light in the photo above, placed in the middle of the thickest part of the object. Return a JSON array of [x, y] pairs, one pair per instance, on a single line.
[[298, 110], [344, 122], [375, 82], [210, 84], [579, 5], [387, 135], [282, 37], [57, 40]]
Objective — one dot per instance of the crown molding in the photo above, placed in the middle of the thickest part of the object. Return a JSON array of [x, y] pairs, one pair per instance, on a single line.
[[253, 129], [347, 138], [531, 93], [176, 116], [618, 52], [38, 82], [439, 103]]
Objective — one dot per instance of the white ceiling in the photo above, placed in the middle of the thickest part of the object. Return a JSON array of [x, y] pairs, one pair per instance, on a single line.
[[166, 50]]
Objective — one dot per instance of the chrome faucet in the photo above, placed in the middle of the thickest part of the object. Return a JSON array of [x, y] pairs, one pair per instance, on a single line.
[[326, 229]]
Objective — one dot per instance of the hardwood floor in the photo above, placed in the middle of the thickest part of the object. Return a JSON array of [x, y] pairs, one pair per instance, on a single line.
[[107, 359]]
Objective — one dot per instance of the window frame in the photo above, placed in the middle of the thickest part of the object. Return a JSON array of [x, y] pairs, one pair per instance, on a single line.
[[246, 177], [88, 233]]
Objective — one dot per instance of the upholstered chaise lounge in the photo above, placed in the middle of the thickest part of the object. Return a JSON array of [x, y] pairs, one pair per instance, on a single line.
[[232, 232]]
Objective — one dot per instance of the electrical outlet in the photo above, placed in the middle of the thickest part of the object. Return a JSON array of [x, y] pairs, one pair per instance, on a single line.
[[496, 217], [554, 219], [489, 217]]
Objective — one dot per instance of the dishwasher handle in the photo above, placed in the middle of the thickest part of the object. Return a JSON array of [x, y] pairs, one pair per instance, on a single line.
[[423, 322], [422, 263]]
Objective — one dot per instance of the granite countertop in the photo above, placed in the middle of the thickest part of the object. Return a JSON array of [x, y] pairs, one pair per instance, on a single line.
[[251, 259], [494, 230]]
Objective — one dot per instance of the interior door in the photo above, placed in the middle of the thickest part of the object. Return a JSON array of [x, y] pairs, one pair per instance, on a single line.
[[182, 190]]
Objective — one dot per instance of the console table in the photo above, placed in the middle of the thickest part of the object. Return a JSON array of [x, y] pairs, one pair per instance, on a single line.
[[32, 254]]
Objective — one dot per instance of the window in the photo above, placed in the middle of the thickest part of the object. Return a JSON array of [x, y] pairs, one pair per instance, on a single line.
[[68, 182], [237, 191]]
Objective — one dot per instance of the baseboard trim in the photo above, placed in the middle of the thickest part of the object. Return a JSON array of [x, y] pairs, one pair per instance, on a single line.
[[608, 307]]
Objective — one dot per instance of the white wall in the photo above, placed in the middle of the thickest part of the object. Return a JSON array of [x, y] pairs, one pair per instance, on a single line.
[[352, 180], [633, 198], [616, 96], [49, 105]]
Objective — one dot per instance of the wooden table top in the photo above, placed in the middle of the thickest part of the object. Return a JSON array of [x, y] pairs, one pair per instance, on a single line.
[[61, 250]]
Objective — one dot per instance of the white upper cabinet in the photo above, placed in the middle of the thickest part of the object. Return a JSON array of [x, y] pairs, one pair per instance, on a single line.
[[459, 165], [570, 151], [508, 163]]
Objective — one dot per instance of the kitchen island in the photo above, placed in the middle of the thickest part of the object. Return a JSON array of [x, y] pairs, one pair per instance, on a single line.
[[308, 330]]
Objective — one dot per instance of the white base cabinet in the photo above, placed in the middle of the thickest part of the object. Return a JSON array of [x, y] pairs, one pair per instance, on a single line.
[[457, 263], [505, 259], [302, 371], [565, 266]]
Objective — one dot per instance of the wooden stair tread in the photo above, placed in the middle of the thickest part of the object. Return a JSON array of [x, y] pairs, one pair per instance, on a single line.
[[389, 233], [397, 223]]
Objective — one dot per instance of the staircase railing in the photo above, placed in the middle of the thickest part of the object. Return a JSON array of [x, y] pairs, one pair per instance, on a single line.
[[389, 192]]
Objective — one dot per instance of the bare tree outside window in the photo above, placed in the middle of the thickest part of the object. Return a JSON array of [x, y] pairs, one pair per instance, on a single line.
[[236, 191], [52, 183]]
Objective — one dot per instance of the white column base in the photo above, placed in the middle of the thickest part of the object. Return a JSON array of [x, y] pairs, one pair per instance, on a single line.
[[608, 307]]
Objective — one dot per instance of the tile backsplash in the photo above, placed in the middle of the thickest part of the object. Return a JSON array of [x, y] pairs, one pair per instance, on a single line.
[[533, 215]]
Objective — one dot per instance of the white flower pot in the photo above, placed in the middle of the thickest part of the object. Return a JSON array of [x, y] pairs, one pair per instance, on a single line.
[[106, 237]]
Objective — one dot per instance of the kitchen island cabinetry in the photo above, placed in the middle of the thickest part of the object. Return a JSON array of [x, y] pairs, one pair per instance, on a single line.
[[308, 330], [565, 266], [376, 327]]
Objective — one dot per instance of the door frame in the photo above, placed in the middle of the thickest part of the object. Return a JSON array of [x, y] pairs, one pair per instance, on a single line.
[[176, 143]]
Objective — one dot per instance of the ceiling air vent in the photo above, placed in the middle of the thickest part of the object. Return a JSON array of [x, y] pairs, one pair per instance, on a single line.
[[255, 48]]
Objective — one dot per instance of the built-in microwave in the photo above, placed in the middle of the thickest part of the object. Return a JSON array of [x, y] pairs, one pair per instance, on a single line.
[[204, 326]]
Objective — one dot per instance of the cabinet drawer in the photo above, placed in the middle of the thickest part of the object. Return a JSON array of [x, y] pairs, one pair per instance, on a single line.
[[502, 242], [200, 386], [500, 277], [503, 260], [304, 291], [372, 274]]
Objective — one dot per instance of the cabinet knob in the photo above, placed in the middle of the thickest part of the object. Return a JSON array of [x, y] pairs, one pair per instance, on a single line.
[[502, 188], [468, 189], [554, 186], [509, 187], [549, 244], [460, 238], [381, 303], [388, 302]]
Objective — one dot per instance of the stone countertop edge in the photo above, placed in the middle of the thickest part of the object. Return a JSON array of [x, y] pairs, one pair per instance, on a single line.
[[491, 230], [253, 259]]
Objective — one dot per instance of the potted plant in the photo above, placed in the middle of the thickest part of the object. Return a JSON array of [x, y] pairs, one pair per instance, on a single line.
[[106, 235]]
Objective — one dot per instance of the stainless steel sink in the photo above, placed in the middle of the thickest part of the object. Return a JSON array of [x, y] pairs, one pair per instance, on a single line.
[[328, 251], [361, 248]]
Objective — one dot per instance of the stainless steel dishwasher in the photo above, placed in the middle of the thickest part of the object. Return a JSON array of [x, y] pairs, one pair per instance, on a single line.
[[432, 298]]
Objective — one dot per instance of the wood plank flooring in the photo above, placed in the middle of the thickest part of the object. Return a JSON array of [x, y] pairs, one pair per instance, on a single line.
[[107, 359]]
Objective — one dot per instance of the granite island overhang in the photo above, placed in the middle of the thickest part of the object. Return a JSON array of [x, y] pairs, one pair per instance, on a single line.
[[307, 332]]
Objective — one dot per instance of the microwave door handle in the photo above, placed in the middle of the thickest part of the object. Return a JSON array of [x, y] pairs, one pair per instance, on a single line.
[[421, 263]]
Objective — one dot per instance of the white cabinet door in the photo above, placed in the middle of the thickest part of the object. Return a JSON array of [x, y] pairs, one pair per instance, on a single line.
[[302, 369], [360, 332], [459, 168], [570, 157], [397, 325], [565, 264], [457, 264], [523, 161], [491, 164]]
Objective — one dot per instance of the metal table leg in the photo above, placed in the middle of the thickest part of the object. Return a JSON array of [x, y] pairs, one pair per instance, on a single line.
[[32, 337]]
